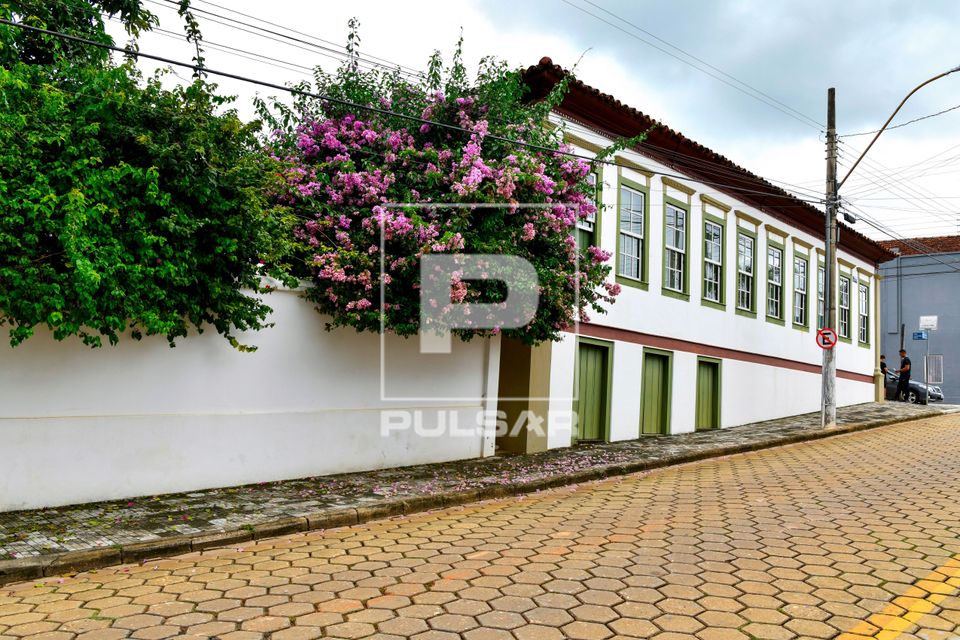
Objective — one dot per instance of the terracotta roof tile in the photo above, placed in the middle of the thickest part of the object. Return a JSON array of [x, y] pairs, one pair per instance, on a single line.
[[933, 244]]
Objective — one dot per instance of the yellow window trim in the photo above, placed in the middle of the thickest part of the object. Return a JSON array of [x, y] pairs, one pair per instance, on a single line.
[[705, 199], [630, 164], [776, 231], [679, 186], [747, 217], [580, 142], [849, 265]]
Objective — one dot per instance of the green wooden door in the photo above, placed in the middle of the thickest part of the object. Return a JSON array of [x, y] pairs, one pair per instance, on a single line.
[[655, 395], [708, 395], [591, 402]]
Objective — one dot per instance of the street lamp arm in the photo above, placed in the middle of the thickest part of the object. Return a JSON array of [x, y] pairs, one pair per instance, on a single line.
[[892, 115]]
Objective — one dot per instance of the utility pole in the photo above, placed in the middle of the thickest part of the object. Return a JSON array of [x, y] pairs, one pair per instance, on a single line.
[[828, 406]]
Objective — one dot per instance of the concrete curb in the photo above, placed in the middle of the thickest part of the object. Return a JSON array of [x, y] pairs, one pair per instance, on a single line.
[[35, 567]]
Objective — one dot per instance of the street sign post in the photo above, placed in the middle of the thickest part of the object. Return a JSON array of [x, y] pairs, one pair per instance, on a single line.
[[927, 323], [826, 338]]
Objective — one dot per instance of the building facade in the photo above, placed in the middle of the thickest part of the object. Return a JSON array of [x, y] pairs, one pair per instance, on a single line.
[[923, 280], [722, 294]]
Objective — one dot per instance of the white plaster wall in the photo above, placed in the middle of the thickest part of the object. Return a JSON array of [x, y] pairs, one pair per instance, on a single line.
[[683, 398], [78, 425], [625, 410], [559, 425]]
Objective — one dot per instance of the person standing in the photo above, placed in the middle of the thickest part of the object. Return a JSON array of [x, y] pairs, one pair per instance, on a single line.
[[883, 365], [903, 386]]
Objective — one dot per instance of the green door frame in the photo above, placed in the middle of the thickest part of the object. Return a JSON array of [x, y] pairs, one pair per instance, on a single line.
[[669, 386], [717, 396], [605, 435]]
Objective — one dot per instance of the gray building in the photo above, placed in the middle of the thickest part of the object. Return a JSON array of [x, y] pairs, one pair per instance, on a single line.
[[924, 280]]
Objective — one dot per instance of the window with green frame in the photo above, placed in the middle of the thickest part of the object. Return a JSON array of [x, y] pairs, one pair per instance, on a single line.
[[712, 261], [800, 288], [675, 255], [632, 225], [863, 312], [746, 254], [774, 282], [843, 307], [587, 228], [821, 278]]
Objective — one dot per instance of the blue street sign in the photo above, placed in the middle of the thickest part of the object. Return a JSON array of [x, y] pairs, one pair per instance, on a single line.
[[919, 335]]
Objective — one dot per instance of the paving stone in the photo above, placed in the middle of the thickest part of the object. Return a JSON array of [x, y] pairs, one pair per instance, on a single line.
[[619, 558], [289, 503]]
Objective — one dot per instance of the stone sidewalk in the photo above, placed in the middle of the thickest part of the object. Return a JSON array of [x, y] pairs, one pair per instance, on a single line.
[[60, 540]]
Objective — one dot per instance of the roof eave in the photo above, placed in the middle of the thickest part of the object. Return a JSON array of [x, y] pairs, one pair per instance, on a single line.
[[609, 117]]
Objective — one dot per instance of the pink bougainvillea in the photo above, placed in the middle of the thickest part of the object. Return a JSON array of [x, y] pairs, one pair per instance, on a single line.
[[374, 192]]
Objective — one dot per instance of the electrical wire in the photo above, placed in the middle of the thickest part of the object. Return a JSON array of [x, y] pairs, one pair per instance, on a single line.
[[926, 250], [770, 102], [903, 188], [240, 53], [717, 170], [389, 64], [367, 108], [902, 124], [314, 49]]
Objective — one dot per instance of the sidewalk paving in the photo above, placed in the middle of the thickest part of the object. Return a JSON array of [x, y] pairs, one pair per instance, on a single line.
[[64, 539]]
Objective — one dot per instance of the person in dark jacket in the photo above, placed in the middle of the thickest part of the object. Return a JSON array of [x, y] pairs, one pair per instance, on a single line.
[[883, 365], [903, 387]]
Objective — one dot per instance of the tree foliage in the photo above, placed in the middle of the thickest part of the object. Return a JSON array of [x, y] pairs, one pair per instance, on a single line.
[[125, 207], [375, 189]]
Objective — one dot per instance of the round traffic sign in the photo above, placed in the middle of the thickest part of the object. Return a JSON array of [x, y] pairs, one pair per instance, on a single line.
[[826, 338]]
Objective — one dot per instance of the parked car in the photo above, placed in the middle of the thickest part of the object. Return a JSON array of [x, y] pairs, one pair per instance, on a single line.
[[915, 394]]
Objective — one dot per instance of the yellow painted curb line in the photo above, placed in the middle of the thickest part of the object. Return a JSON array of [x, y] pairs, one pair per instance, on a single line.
[[918, 601]]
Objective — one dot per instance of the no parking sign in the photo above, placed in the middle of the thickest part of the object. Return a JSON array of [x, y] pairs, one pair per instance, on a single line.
[[826, 338]]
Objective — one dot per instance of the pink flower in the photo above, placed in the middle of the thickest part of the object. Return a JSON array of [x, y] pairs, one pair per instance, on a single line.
[[528, 232]]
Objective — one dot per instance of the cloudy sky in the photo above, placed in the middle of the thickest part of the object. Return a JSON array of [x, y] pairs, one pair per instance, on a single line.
[[747, 78]]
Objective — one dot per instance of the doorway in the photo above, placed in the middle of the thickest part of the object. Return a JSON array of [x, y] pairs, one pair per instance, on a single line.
[[655, 393], [708, 394]]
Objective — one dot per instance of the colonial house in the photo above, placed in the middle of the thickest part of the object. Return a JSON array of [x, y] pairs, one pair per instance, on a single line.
[[722, 294], [922, 280]]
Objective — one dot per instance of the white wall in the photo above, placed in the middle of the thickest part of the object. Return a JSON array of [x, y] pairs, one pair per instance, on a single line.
[[78, 425]]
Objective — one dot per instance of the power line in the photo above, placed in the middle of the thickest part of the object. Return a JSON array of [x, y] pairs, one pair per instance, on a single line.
[[902, 124], [240, 53], [905, 167], [757, 95], [368, 108], [387, 63], [909, 192], [335, 51], [927, 250], [267, 34], [716, 169]]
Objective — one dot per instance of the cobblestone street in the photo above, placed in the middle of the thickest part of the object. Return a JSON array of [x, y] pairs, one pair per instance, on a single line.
[[855, 536]]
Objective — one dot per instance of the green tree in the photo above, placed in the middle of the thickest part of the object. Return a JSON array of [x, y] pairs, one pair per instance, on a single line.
[[124, 207]]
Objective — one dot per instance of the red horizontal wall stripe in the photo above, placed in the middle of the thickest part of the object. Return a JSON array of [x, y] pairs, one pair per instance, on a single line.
[[675, 344]]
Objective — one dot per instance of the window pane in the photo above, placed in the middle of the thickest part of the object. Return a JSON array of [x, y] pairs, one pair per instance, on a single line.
[[631, 232]]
